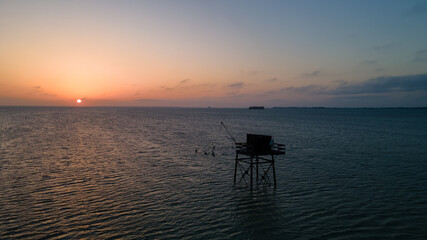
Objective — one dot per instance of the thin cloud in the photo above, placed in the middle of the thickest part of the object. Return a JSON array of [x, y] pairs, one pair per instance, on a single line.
[[236, 85], [385, 84], [312, 74], [358, 97], [234, 88], [418, 9], [379, 85], [149, 100], [369, 62], [167, 88], [233, 93], [38, 90], [179, 85], [421, 55], [272, 80], [203, 87], [318, 89], [250, 73], [184, 81], [309, 89]]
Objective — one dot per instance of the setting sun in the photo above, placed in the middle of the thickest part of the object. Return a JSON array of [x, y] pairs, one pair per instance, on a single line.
[[79, 101]]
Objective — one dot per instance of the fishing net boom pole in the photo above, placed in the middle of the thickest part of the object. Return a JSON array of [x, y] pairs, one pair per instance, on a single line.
[[229, 132]]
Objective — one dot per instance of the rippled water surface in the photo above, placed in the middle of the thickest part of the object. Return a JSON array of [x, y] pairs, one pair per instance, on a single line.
[[133, 173]]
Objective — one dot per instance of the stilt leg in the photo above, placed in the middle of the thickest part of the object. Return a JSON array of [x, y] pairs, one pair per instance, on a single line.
[[274, 170], [257, 162], [251, 166], [235, 168]]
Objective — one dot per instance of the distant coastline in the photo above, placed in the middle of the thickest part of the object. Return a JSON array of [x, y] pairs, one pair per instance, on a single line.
[[256, 107], [349, 107]]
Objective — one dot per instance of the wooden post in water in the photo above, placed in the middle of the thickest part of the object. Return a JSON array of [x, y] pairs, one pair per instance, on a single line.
[[251, 172], [274, 170], [235, 167]]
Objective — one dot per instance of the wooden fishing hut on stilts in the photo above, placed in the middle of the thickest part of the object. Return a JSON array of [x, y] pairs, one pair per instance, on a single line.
[[259, 152], [257, 155]]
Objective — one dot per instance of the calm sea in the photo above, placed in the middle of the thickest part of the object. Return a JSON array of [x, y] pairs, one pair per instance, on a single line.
[[133, 173]]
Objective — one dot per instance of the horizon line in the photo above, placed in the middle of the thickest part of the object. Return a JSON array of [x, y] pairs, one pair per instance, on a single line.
[[210, 107]]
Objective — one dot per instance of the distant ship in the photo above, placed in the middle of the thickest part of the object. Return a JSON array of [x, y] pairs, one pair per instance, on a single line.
[[256, 107]]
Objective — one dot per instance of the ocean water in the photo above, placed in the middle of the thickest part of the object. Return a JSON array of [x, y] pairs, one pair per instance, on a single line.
[[133, 173]]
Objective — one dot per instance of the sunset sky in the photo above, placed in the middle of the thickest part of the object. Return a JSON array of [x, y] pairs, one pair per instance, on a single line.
[[332, 53]]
